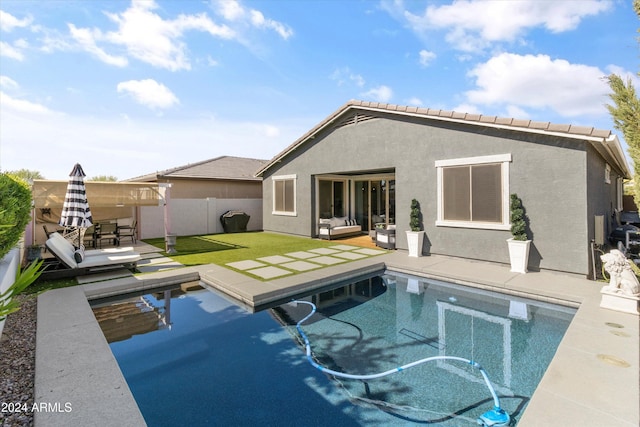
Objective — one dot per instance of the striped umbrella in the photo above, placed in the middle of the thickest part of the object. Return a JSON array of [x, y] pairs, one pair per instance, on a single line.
[[76, 214]]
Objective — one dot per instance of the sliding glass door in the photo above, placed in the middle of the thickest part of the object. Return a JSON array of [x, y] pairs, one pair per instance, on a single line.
[[375, 201], [331, 198]]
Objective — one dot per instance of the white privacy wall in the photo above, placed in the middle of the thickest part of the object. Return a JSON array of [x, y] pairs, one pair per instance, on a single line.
[[189, 217]]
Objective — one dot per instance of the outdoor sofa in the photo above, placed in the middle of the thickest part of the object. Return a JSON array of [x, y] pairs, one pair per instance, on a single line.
[[88, 261], [331, 228]]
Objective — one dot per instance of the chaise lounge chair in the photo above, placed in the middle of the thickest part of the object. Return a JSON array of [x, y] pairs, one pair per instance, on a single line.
[[91, 261]]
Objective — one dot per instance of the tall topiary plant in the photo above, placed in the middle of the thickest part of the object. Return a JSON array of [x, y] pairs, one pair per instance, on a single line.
[[415, 236], [415, 217], [15, 211], [518, 218]]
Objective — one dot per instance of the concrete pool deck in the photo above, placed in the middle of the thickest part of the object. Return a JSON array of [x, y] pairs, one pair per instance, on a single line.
[[593, 379]]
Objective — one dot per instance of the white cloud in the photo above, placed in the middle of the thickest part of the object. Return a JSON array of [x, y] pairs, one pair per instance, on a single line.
[[87, 40], [381, 93], [8, 22], [8, 83], [344, 75], [234, 11], [10, 103], [473, 25], [9, 51], [230, 10], [414, 102], [151, 39], [142, 34], [539, 82], [149, 93], [516, 112], [259, 21], [426, 57]]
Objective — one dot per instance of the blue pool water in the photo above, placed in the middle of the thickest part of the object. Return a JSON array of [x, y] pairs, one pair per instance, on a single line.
[[194, 358]]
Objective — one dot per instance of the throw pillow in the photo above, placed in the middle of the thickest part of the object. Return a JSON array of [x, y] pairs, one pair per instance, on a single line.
[[78, 255]]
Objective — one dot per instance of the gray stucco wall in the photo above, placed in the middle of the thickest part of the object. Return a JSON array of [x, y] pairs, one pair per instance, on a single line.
[[602, 196], [549, 173]]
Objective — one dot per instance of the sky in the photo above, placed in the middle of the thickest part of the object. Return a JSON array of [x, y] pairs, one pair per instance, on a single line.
[[127, 88]]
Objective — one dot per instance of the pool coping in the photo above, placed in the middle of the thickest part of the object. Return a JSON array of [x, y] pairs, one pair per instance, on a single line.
[[74, 363]]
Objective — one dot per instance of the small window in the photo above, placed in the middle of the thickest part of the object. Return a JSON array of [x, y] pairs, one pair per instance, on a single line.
[[607, 174], [474, 192], [284, 195]]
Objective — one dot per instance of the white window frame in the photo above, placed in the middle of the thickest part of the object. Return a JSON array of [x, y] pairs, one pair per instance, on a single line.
[[504, 160], [619, 193], [293, 178]]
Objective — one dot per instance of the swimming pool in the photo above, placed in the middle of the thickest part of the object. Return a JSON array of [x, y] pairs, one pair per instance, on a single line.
[[194, 358]]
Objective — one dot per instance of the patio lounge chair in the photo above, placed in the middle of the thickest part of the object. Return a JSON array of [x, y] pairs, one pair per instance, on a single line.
[[93, 260]]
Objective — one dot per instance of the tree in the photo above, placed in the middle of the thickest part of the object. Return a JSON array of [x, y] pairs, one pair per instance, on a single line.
[[107, 178], [26, 174], [625, 112]]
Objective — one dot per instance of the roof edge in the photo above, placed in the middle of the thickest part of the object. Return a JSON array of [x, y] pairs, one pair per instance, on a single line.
[[545, 128]]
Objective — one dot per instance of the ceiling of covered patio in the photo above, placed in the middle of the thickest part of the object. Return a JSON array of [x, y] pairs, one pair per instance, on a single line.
[[51, 194]]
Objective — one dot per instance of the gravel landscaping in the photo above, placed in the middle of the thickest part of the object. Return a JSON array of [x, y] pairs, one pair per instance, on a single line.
[[18, 364]]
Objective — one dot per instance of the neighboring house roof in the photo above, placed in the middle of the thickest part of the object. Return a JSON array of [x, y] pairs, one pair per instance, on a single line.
[[604, 141], [220, 168]]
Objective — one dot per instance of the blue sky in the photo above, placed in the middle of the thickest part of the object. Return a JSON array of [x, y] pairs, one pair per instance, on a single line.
[[131, 87]]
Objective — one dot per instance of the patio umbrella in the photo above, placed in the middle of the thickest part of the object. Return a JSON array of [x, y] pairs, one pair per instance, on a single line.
[[76, 215]]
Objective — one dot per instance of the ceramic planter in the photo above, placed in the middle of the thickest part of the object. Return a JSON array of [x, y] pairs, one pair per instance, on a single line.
[[414, 242], [519, 255]]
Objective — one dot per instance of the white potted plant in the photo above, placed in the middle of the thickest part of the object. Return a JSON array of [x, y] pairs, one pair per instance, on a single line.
[[519, 243], [415, 236]]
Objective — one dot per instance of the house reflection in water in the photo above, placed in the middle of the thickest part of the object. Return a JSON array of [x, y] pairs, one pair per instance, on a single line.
[[137, 315]]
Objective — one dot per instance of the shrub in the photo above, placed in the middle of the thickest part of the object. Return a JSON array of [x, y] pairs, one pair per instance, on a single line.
[[415, 217], [15, 211], [518, 222]]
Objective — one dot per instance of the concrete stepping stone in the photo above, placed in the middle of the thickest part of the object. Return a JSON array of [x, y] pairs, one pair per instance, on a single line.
[[350, 255], [323, 251], [276, 259], [326, 260], [301, 254], [246, 265], [269, 272], [301, 265]]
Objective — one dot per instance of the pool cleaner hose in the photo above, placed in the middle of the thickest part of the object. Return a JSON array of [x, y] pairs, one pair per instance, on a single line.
[[496, 417]]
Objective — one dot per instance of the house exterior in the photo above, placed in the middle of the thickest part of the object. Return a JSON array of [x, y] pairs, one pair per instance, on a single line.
[[224, 177], [367, 161], [199, 193]]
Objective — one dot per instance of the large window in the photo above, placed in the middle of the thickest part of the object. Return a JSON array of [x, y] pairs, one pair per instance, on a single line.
[[284, 195], [474, 192]]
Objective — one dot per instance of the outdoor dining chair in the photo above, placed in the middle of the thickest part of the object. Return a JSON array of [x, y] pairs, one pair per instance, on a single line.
[[127, 231]]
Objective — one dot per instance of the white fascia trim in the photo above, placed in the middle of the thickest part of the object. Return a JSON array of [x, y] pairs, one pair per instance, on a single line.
[[478, 160], [617, 153], [282, 177]]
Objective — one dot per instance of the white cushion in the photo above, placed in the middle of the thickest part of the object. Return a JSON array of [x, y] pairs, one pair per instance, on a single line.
[[64, 250]]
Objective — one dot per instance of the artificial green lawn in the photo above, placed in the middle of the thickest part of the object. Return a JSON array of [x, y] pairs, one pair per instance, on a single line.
[[221, 249], [217, 249]]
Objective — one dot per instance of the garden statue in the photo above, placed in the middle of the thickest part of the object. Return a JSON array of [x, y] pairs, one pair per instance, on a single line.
[[623, 279]]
